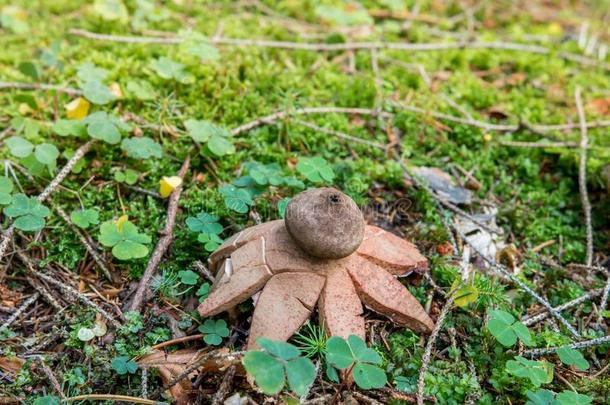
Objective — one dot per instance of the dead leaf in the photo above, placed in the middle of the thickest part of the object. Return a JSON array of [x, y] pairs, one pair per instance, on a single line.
[[171, 365], [8, 297], [443, 185], [11, 365], [600, 106]]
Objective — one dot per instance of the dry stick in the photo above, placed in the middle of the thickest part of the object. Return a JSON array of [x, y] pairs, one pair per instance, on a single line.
[[429, 346], [339, 134], [113, 397], [164, 241], [85, 242], [40, 86], [531, 320], [49, 373], [278, 115], [582, 176], [20, 310], [535, 145], [80, 152], [578, 345], [46, 294], [351, 46], [492, 262], [225, 386]]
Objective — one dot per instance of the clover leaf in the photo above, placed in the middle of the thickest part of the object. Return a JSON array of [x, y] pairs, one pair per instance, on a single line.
[[213, 331], [169, 69], [506, 329], [97, 92], [141, 148], [19, 147], [572, 357], [89, 72], [124, 239], [47, 400], [141, 89], [85, 218], [128, 176], [28, 212], [46, 154], [538, 372], [540, 397], [572, 398], [363, 361], [277, 363], [105, 127], [210, 241], [188, 277], [123, 365], [281, 206], [69, 128], [205, 223], [217, 139], [203, 291], [236, 199], [315, 169], [6, 188]]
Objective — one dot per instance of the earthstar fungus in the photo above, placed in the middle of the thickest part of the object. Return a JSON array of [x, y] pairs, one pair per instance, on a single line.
[[324, 254]]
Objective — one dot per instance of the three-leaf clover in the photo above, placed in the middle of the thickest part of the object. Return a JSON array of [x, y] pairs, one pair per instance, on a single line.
[[203, 291], [85, 218], [236, 199], [28, 212], [217, 139], [47, 400], [6, 188], [355, 355], [141, 148], [538, 372], [97, 92], [315, 169], [213, 331], [546, 397], [123, 365], [210, 241], [124, 239], [128, 176], [204, 223], [188, 277], [19, 147], [169, 69], [572, 357], [106, 127], [276, 363], [69, 128], [506, 329]]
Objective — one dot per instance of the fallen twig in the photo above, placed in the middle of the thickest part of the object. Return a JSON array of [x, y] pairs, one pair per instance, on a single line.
[[429, 346], [92, 251], [20, 310], [40, 86], [339, 134], [163, 243], [349, 46], [49, 373], [225, 386], [531, 320], [113, 397], [578, 345], [80, 152]]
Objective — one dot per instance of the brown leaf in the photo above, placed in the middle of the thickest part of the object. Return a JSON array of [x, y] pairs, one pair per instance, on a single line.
[[11, 365], [172, 365], [8, 297], [600, 106]]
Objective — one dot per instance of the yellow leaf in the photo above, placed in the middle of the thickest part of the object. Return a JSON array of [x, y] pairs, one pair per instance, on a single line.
[[168, 184], [487, 137], [25, 109], [119, 222], [77, 109], [464, 293], [116, 90]]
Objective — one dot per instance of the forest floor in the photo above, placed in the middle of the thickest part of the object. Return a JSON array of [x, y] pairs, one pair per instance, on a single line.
[[135, 136]]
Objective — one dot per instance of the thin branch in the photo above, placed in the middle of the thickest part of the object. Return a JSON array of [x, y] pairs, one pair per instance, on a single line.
[[20, 310], [80, 152], [538, 145], [112, 397], [429, 347], [578, 345], [49, 373], [582, 176], [94, 254], [531, 320], [40, 86], [339, 134], [163, 243], [350, 46]]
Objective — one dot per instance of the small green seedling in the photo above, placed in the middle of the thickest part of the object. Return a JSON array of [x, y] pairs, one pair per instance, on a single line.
[[6, 188], [572, 357], [210, 241], [506, 329], [217, 139], [315, 169], [204, 223], [105, 127], [203, 291], [124, 239], [85, 218], [29, 214], [538, 372], [170, 70], [281, 206], [44, 154], [276, 363], [141, 148], [123, 365], [129, 177], [214, 331], [236, 199], [353, 355]]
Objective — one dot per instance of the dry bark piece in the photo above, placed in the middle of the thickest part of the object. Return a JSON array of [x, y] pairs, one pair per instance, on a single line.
[[325, 222], [395, 254], [284, 305], [339, 307], [382, 293]]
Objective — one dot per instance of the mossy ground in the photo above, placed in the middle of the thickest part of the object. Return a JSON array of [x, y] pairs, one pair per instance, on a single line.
[[535, 190]]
